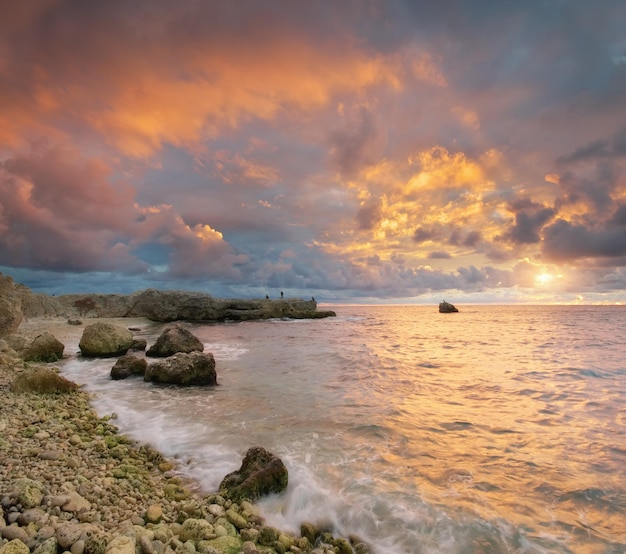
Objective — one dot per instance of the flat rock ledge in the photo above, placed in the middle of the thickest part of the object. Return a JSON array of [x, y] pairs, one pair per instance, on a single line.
[[172, 305], [69, 482]]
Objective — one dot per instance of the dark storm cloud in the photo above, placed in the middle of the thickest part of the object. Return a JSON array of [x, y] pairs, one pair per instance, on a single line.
[[530, 218], [567, 241], [601, 149]]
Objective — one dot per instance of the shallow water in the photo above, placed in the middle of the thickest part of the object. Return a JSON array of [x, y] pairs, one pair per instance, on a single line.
[[496, 429]]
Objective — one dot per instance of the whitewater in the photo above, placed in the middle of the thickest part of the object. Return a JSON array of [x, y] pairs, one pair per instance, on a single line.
[[495, 429]]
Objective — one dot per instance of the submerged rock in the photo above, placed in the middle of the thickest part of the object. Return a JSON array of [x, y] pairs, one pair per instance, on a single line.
[[261, 473], [128, 365]]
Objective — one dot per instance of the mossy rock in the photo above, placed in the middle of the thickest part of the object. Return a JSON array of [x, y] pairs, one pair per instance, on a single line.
[[42, 380], [227, 544]]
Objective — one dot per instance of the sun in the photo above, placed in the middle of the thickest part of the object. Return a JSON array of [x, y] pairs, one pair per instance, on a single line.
[[544, 278]]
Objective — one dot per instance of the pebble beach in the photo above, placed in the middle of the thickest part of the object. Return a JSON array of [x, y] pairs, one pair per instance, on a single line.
[[69, 482]]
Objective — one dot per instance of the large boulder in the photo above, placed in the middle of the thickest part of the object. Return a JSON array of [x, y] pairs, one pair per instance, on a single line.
[[128, 365], [261, 473], [44, 348], [103, 339], [42, 380], [194, 368], [174, 340]]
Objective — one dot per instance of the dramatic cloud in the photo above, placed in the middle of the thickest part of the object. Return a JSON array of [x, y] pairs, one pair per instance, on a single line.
[[363, 149]]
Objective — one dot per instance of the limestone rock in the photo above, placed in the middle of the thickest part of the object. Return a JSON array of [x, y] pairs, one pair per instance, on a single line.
[[196, 530], [195, 368], [174, 340], [128, 365], [29, 492], [103, 339], [42, 380], [154, 513], [68, 533], [10, 306], [261, 473], [44, 348], [75, 503], [121, 545], [15, 546]]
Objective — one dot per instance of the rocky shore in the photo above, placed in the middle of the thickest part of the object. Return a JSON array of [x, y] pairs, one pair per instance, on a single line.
[[69, 482]]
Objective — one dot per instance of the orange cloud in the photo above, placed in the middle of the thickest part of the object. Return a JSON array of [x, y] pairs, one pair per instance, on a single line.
[[141, 95]]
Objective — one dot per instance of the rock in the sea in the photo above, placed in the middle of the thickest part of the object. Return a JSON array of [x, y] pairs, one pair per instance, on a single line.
[[103, 339], [261, 473], [128, 365], [446, 308], [195, 368], [42, 380], [44, 348], [174, 340]]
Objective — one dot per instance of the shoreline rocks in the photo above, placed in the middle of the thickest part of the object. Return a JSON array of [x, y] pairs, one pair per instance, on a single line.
[[70, 482]]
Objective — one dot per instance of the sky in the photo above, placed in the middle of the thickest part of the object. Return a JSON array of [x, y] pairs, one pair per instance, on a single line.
[[354, 150]]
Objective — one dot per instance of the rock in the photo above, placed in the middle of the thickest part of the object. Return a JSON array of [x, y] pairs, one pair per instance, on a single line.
[[103, 339], [33, 515], [121, 545], [75, 503], [42, 380], [15, 546], [10, 306], [249, 547], [342, 546], [68, 533], [261, 473], [236, 519], [154, 513], [14, 532], [49, 546], [446, 308], [174, 340], [29, 493], [44, 348], [138, 344], [195, 368], [196, 530], [128, 365], [268, 535], [309, 531]]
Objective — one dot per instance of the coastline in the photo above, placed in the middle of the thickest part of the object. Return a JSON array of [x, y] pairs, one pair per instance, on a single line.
[[72, 483]]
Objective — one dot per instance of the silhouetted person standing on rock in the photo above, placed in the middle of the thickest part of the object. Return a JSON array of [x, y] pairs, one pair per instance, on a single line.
[[281, 293]]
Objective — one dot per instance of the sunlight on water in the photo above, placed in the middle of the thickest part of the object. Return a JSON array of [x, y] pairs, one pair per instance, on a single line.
[[497, 429]]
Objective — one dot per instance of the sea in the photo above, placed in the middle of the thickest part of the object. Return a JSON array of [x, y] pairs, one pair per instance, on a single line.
[[498, 429]]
